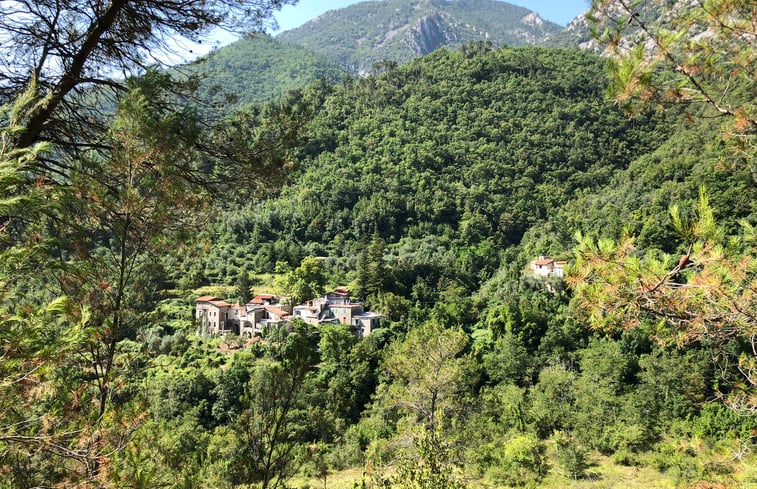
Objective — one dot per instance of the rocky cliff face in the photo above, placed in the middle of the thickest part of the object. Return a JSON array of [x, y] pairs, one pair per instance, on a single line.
[[430, 33]]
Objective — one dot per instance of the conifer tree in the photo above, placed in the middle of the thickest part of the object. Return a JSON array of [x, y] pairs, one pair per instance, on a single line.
[[686, 53]]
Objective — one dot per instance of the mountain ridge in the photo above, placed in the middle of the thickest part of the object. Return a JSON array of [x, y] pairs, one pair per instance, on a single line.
[[363, 34], [357, 40]]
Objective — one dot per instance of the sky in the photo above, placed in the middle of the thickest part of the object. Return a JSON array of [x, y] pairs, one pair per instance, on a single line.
[[557, 11]]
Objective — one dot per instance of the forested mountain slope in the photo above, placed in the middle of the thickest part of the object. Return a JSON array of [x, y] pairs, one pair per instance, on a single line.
[[366, 33], [357, 39], [257, 69], [459, 152]]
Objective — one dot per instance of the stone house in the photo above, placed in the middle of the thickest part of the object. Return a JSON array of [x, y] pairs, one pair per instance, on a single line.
[[336, 308], [216, 316], [546, 267], [212, 314]]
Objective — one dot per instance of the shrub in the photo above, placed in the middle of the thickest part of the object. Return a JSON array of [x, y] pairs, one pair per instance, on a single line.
[[631, 437], [625, 458], [717, 422], [522, 462], [571, 456]]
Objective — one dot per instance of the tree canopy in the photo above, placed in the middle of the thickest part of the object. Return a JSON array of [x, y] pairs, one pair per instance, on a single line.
[[68, 48]]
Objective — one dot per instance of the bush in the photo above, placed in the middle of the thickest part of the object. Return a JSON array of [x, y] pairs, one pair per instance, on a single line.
[[662, 459], [351, 450], [625, 458], [632, 437], [717, 422], [571, 456], [522, 462]]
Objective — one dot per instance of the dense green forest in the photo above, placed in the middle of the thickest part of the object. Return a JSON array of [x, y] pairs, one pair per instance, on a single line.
[[255, 70], [449, 160], [427, 188]]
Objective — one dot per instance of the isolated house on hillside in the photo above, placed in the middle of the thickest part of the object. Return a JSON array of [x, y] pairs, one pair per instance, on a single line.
[[546, 267]]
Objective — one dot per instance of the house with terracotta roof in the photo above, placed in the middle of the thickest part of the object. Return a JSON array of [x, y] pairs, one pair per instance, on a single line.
[[213, 314], [340, 295], [546, 267], [216, 316], [264, 299]]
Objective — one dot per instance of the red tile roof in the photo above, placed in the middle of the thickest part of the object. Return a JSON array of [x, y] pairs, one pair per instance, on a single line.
[[206, 298], [258, 299], [277, 311]]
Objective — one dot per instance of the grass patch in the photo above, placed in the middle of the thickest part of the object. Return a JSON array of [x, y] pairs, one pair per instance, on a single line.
[[220, 291], [603, 473]]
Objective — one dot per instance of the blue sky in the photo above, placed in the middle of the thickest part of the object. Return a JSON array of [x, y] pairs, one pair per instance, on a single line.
[[558, 11]]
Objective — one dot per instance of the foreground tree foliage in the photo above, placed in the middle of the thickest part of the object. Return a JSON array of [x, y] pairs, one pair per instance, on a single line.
[[67, 48], [139, 198], [83, 218], [114, 212], [682, 53], [52, 426], [706, 296]]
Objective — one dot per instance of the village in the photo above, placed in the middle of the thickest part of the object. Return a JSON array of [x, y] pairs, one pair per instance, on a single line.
[[216, 316]]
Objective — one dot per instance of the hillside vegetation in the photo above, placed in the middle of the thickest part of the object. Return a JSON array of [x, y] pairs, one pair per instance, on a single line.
[[255, 70], [462, 150], [429, 188], [434, 190]]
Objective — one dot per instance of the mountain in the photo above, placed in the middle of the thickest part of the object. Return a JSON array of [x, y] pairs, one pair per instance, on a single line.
[[577, 34], [359, 36], [352, 40], [581, 31]]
